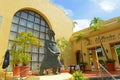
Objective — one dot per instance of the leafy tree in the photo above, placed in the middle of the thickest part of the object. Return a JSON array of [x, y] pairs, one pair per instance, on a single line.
[[96, 25], [79, 37], [21, 46], [63, 45]]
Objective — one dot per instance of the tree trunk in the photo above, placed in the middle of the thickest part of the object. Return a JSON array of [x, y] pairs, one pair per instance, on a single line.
[[102, 47]]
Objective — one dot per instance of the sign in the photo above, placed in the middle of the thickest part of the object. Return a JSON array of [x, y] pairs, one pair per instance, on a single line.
[[104, 38]]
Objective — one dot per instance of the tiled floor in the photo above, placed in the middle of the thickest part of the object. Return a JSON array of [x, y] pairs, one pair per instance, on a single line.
[[91, 74]]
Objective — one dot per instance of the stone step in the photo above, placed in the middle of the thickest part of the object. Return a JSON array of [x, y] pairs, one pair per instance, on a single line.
[[105, 78]]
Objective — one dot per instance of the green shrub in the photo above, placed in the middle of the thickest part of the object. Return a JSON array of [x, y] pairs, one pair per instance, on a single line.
[[78, 75]]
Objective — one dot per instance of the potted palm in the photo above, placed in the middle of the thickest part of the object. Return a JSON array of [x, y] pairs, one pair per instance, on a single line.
[[110, 64], [22, 44]]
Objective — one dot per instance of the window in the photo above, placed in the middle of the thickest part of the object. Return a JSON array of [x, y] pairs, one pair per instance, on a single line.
[[29, 21], [30, 24], [24, 15], [15, 19], [99, 52], [36, 26], [31, 18], [12, 35], [23, 22], [14, 27]]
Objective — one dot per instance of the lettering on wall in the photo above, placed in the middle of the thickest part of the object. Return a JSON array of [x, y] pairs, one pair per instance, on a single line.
[[104, 38]]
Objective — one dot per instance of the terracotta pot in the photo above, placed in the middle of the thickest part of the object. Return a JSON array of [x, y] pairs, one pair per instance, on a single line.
[[64, 71], [110, 66], [83, 68], [24, 71], [16, 71]]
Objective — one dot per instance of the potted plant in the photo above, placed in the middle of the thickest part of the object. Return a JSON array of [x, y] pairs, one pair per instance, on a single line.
[[110, 64], [22, 44], [24, 70], [15, 61]]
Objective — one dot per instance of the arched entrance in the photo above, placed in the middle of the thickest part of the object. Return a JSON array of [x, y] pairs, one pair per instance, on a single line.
[[29, 21]]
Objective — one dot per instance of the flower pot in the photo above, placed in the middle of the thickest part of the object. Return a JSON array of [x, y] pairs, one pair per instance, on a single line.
[[24, 71], [16, 71], [110, 66], [82, 68], [64, 71]]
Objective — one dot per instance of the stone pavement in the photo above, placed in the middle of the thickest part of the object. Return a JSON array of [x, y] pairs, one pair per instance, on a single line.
[[61, 76]]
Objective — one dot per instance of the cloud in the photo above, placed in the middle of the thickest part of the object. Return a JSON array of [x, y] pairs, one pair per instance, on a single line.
[[81, 24], [68, 12], [107, 5]]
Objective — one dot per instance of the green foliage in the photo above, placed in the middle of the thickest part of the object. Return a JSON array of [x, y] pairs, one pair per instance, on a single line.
[[78, 76], [118, 20], [96, 25], [110, 61], [79, 36], [63, 45], [25, 58], [21, 45], [25, 40], [118, 53], [96, 20], [16, 57]]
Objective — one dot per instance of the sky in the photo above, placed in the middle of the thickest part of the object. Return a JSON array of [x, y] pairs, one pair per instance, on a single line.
[[83, 11]]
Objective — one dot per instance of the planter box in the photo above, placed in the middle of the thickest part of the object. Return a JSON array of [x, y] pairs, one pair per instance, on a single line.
[[110, 66]]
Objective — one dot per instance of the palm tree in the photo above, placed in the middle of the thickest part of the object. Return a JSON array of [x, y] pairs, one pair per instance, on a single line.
[[80, 37], [63, 45], [96, 25], [74, 23]]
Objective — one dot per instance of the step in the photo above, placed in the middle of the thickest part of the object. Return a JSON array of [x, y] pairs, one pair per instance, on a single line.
[[104, 78]]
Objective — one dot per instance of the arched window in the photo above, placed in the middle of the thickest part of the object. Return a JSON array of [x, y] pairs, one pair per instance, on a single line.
[[29, 21]]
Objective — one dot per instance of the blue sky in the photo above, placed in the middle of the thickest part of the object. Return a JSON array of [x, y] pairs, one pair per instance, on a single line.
[[83, 11]]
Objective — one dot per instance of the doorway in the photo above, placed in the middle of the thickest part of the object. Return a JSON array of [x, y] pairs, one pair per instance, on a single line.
[[95, 55], [117, 48], [78, 57]]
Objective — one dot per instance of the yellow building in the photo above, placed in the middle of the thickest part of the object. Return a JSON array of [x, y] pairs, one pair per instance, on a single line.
[[91, 48], [35, 16]]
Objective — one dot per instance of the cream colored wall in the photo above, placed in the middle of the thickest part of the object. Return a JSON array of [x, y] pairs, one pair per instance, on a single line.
[[54, 16]]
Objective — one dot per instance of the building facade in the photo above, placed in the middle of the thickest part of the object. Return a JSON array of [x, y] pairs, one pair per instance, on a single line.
[[91, 48], [35, 16]]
